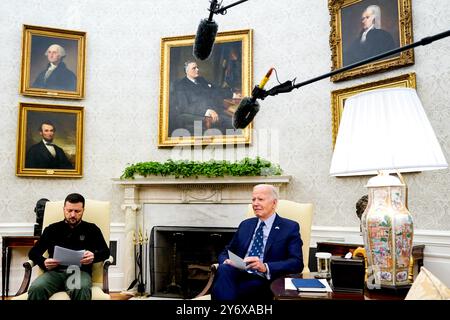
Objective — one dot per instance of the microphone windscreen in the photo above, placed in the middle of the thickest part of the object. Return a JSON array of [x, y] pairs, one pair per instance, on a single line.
[[204, 39], [245, 112]]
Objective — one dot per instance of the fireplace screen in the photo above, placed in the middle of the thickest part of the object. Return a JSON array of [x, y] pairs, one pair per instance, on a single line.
[[180, 258]]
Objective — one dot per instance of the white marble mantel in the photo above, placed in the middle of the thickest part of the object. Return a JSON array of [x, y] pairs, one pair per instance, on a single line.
[[167, 190]]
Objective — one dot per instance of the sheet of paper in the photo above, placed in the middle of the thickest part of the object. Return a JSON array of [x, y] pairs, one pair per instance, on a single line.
[[237, 261], [68, 257], [288, 285]]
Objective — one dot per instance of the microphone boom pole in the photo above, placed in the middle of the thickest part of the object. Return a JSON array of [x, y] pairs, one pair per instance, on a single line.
[[249, 107], [224, 9], [207, 30], [423, 42]]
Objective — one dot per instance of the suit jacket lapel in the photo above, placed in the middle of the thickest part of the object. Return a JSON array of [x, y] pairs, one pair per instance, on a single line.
[[274, 232], [45, 151], [250, 233]]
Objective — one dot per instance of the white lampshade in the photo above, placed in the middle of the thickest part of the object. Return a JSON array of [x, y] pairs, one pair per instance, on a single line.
[[385, 129]]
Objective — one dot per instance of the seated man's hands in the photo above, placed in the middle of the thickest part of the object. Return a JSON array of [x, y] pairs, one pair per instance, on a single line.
[[88, 257], [51, 263], [228, 261], [256, 264]]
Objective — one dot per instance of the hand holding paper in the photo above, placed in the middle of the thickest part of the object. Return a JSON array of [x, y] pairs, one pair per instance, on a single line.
[[237, 261], [51, 263], [88, 257], [68, 257]]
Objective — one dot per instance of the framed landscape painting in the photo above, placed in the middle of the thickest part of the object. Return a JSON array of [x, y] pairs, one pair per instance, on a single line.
[[361, 29], [50, 140], [53, 62], [198, 98]]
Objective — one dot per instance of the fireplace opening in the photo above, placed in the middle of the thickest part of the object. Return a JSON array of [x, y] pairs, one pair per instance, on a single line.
[[180, 258]]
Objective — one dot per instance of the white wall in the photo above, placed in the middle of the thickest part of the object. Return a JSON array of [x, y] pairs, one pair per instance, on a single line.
[[122, 91]]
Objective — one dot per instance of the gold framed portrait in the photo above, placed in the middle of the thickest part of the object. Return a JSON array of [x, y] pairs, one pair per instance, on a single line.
[[50, 140], [198, 98], [361, 29], [338, 97], [53, 62]]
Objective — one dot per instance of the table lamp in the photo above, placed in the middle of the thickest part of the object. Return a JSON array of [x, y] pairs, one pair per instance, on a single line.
[[384, 131]]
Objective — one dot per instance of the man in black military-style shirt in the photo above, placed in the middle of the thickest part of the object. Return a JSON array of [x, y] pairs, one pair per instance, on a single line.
[[71, 233]]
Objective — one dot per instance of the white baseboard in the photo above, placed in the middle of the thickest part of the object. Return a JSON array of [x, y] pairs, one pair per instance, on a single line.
[[436, 253]]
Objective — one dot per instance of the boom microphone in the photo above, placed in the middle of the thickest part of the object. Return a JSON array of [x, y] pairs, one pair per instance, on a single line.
[[249, 107], [206, 34]]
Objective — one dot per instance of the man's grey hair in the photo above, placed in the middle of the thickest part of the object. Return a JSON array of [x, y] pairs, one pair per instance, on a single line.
[[273, 190], [61, 50], [186, 65], [376, 12]]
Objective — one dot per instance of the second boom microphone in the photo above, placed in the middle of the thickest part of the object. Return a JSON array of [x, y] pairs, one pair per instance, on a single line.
[[249, 107]]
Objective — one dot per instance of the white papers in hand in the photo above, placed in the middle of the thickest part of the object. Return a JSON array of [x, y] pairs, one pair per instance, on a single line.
[[68, 257], [238, 262]]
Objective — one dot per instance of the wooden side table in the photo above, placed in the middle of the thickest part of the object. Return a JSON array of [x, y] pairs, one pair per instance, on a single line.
[[340, 249], [281, 293], [8, 243]]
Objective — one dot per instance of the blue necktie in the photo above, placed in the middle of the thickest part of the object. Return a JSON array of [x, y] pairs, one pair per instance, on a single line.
[[257, 246]]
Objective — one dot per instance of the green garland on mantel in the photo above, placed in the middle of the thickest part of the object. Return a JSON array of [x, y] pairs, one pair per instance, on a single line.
[[212, 168]]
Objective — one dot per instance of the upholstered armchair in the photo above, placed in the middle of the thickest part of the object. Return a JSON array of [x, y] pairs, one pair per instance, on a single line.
[[300, 212], [97, 212]]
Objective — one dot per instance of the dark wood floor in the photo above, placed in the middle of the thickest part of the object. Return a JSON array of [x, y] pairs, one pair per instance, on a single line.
[[119, 296]]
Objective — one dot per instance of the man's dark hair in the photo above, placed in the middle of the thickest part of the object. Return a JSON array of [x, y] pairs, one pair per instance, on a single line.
[[74, 198], [361, 205], [48, 123], [39, 210]]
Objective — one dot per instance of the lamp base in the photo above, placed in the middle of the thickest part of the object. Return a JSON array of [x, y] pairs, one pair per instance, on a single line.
[[399, 287], [403, 288], [388, 233]]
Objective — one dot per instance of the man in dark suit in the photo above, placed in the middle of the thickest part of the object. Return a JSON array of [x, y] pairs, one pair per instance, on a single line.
[[56, 75], [372, 40], [269, 254], [197, 105], [45, 154]]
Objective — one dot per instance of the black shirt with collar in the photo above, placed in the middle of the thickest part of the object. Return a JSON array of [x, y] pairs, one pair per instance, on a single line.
[[84, 236]]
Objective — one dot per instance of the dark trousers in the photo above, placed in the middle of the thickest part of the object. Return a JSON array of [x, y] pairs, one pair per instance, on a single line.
[[232, 284], [77, 285]]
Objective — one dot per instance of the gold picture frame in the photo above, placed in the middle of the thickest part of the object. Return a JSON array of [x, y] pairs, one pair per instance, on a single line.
[[58, 126], [350, 44], [53, 62], [338, 97], [228, 73]]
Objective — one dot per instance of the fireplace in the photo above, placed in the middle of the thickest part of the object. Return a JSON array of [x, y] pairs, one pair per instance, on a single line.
[[180, 258], [215, 204]]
